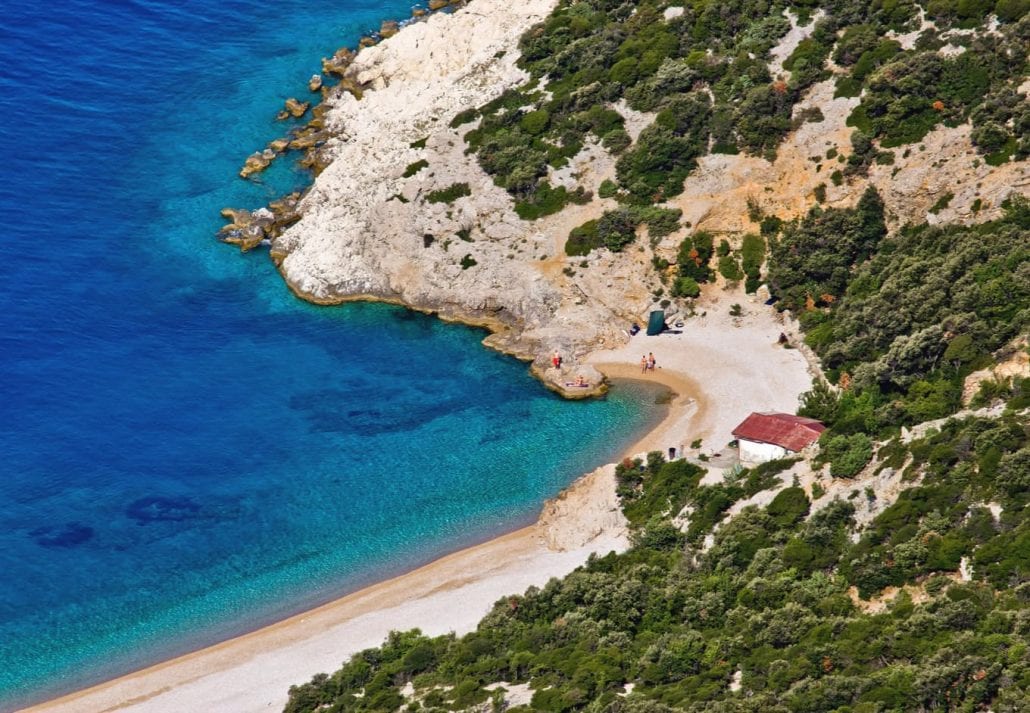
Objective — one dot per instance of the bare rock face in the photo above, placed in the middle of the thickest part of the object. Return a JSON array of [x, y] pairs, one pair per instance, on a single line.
[[366, 230], [1012, 362], [248, 229], [278, 145], [587, 512], [315, 83], [338, 63]]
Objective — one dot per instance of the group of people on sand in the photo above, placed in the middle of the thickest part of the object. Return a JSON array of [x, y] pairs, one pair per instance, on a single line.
[[647, 363]]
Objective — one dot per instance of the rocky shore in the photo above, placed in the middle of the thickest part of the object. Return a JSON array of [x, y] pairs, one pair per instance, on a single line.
[[398, 212], [369, 228]]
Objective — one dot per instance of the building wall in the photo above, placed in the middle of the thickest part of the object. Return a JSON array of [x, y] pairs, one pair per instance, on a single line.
[[754, 452]]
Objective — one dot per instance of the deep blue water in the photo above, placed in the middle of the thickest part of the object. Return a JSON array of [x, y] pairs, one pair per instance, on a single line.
[[186, 451]]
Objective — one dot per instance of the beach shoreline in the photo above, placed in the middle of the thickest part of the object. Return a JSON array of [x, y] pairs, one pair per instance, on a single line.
[[710, 392], [253, 671], [718, 368]]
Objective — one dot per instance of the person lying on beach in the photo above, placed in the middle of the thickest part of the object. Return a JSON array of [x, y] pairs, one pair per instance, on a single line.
[[579, 382]]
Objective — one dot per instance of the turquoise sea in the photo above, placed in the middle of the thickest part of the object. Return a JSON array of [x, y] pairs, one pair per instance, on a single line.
[[187, 452]]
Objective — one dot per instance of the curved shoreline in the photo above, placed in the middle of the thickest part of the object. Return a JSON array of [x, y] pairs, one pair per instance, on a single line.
[[452, 593], [253, 671], [701, 366]]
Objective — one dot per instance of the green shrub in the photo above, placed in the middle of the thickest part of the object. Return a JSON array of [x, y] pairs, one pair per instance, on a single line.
[[449, 194], [583, 239], [547, 201], [607, 189], [535, 123], [1011, 10], [788, 507], [686, 287], [942, 203], [847, 455], [414, 168], [730, 269], [617, 228], [616, 141], [625, 71], [695, 253], [660, 221], [817, 256], [463, 117], [752, 254]]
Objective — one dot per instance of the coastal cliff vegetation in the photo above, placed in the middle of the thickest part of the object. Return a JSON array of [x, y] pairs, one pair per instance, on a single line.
[[765, 615], [757, 594], [890, 569], [703, 71]]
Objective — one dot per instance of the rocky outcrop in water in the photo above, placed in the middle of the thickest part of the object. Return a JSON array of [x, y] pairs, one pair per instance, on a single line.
[[257, 162], [249, 229]]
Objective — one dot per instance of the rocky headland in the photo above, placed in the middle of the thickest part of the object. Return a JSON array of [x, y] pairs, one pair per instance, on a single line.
[[400, 212]]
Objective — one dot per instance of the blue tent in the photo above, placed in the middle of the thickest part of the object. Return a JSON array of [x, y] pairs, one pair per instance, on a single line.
[[656, 323]]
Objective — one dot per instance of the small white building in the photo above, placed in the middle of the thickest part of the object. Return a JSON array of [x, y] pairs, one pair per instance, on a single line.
[[767, 436]]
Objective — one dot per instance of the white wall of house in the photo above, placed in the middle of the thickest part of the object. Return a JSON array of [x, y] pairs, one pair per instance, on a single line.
[[754, 452]]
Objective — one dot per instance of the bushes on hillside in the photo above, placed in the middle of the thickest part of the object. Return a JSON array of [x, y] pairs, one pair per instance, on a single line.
[[767, 595], [694, 256], [814, 259]]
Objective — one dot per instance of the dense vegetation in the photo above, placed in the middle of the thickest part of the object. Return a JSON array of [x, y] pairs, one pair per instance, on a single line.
[[761, 611], [768, 598], [901, 321], [705, 75]]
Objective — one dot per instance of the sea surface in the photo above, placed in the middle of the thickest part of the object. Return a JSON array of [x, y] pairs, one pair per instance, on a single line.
[[188, 452]]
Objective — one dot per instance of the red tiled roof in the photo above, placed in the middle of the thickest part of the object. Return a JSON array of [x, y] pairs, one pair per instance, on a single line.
[[780, 429]]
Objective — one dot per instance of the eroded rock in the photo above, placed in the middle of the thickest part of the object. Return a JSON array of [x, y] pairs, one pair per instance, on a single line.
[[296, 108], [339, 62], [249, 229], [256, 162]]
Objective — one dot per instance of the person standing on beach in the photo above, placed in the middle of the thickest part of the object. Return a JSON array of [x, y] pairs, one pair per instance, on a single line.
[[643, 364], [650, 361], [556, 360]]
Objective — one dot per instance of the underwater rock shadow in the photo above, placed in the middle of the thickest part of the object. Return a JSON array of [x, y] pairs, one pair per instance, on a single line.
[[161, 509], [337, 411], [71, 534]]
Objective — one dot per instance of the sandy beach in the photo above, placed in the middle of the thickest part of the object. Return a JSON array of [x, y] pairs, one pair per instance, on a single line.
[[719, 367]]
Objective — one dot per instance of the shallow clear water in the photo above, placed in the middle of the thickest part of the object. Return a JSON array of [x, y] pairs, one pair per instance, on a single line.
[[186, 451]]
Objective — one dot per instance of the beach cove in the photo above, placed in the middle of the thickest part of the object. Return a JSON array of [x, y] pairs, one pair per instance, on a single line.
[[191, 452], [252, 671]]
